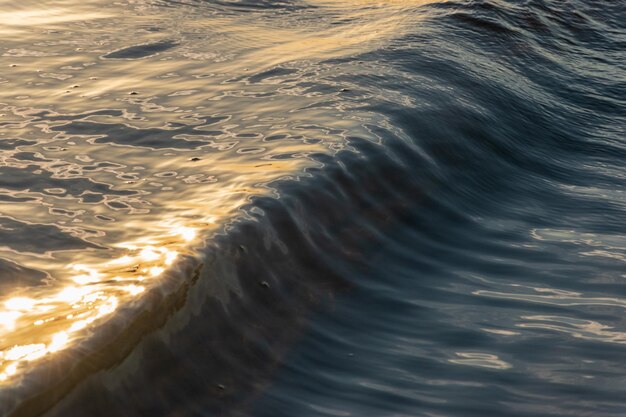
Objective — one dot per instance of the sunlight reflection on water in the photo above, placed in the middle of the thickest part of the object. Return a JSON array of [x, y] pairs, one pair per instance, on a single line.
[[132, 126]]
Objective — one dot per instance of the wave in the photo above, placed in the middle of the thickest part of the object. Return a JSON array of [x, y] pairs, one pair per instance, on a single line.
[[219, 329], [451, 173]]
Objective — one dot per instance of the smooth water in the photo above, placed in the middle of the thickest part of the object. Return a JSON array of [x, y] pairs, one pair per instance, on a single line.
[[312, 208]]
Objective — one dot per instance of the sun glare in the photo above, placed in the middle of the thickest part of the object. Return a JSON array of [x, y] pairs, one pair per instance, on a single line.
[[55, 320]]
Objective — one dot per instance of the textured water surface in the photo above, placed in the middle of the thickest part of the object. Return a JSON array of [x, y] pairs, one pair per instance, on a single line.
[[311, 208]]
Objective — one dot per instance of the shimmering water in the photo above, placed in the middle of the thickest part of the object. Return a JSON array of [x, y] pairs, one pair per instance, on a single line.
[[309, 208]]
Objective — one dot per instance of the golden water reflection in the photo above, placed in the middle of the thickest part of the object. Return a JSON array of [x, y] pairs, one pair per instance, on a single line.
[[162, 194], [17, 18], [96, 292]]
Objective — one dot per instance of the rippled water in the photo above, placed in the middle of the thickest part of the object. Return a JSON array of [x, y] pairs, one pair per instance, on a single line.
[[310, 208]]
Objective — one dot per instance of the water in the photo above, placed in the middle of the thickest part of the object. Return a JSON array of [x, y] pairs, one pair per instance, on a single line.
[[311, 208]]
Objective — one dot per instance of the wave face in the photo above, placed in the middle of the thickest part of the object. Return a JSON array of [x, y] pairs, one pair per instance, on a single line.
[[312, 208]]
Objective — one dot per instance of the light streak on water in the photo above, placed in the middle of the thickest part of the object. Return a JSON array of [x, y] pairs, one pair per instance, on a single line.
[[53, 321]]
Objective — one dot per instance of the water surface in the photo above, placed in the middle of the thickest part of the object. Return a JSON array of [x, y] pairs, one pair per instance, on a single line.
[[280, 208]]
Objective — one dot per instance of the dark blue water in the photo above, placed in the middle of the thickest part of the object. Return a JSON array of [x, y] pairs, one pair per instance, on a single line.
[[497, 287], [463, 253]]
